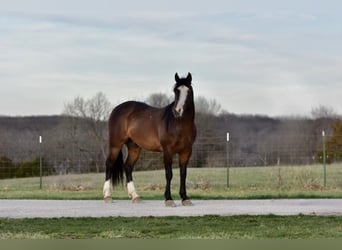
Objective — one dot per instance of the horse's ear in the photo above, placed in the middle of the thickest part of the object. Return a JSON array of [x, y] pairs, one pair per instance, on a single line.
[[189, 77], [177, 77]]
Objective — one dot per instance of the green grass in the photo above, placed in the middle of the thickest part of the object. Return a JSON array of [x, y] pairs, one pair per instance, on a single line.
[[206, 183], [202, 183], [207, 227]]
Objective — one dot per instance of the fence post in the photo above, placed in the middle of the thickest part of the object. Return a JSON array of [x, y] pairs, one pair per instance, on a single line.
[[40, 162], [227, 159], [324, 159]]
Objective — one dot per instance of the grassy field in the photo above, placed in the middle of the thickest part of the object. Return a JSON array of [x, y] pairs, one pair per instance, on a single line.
[[203, 183], [206, 183], [207, 227]]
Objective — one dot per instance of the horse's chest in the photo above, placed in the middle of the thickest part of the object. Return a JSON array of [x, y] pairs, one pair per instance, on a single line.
[[181, 142]]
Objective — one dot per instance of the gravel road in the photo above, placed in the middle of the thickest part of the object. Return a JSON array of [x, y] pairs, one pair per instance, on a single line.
[[124, 208]]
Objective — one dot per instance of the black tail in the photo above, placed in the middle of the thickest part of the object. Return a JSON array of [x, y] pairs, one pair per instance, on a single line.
[[115, 170]]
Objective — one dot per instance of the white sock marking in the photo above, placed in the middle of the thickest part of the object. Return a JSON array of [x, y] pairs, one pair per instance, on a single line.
[[131, 190], [106, 189]]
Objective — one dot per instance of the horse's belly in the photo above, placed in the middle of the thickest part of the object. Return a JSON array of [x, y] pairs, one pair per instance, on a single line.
[[148, 145], [146, 140]]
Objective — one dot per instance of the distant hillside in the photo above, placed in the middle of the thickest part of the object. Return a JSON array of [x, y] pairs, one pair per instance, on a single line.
[[69, 144], [33, 123]]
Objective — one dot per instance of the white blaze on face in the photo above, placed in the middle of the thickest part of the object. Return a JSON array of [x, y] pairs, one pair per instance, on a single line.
[[131, 190], [106, 189], [182, 98]]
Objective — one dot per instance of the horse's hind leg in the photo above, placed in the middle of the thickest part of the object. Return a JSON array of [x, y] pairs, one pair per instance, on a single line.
[[133, 155], [110, 162]]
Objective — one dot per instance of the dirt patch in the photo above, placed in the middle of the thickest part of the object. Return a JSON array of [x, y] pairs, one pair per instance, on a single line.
[[76, 188], [314, 187], [200, 185], [153, 187]]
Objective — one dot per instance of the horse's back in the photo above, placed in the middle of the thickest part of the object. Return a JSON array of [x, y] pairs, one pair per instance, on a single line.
[[126, 108], [137, 121]]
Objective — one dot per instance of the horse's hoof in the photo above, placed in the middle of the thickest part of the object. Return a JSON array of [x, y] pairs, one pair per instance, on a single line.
[[187, 203], [108, 199], [170, 203], [136, 200]]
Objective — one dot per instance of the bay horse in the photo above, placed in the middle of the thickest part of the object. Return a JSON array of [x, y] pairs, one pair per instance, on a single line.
[[170, 130]]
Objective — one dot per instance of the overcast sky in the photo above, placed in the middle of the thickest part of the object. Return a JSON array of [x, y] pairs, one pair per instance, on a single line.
[[256, 57]]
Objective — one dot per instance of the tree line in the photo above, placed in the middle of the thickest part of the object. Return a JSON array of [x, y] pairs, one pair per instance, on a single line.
[[76, 141]]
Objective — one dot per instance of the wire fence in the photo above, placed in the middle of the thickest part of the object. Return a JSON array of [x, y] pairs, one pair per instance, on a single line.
[[208, 151]]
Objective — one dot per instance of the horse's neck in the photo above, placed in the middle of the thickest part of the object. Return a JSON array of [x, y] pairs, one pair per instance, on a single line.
[[188, 115]]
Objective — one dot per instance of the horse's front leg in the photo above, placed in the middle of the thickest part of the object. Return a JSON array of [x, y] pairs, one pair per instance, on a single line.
[[168, 174], [183, 163]]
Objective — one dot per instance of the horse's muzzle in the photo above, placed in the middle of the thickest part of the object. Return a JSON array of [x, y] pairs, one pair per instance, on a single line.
[[176, 113]]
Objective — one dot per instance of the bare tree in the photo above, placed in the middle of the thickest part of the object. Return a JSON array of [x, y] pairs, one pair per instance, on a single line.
[[205, 106], [322, 111], [158, 100], [94, 111]]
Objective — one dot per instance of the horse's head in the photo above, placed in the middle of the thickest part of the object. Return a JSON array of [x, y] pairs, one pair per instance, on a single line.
[[184, 96]]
